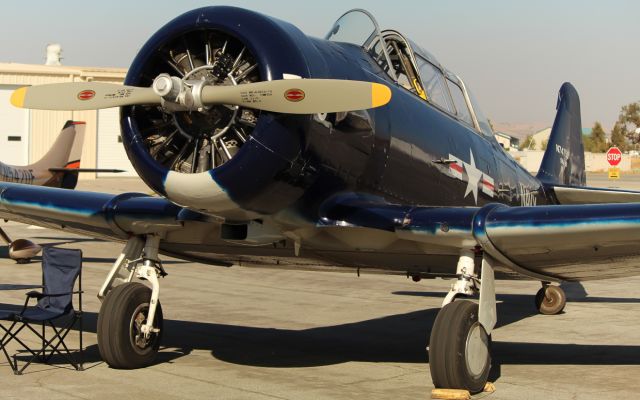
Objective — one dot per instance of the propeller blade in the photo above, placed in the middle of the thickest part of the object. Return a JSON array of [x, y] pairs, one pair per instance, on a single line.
[[289, 96], [301, 96], [81, 96]]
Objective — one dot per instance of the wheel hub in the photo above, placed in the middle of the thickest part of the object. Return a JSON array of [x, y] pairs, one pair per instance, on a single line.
[[549, 298], [138, 339], [477, 350]]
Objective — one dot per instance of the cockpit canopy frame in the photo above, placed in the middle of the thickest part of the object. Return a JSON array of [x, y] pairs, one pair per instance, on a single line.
[[358, 26], [411, 67]]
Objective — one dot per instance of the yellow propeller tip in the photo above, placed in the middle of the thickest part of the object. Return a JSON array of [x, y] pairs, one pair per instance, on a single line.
[[380, 95], [17, 97]]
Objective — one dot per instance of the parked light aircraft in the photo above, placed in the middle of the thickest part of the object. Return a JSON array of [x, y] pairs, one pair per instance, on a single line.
[[58, 168], [360, 149]]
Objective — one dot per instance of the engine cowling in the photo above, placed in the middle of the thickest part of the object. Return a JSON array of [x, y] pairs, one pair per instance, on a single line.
[[233, 162]]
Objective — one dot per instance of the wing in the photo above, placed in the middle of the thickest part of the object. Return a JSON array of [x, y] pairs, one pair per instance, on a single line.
[[96, 214], [114, 217], [185, 234], [566, 242], [561, 242]]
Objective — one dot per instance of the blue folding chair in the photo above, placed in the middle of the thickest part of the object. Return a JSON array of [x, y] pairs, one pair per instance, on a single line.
[[60, 269]]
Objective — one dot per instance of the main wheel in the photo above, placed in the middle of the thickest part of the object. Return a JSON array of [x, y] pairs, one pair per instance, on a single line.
[[120, 339], [459, 348], [550, 300]]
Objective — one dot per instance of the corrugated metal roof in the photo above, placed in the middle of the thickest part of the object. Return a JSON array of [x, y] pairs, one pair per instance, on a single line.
[[36, 69]]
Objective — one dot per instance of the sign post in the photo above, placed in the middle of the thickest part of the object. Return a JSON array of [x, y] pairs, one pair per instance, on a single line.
[[614, 157]]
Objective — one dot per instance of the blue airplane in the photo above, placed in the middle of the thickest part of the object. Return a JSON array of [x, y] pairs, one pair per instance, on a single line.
[[266, 145]]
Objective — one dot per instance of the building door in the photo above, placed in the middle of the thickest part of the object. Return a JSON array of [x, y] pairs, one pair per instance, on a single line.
[[111, 154], [14, 130]]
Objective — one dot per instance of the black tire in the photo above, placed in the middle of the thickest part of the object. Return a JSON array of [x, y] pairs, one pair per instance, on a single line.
[[459, 348], [121, 313], [550, 300], [438, 348]]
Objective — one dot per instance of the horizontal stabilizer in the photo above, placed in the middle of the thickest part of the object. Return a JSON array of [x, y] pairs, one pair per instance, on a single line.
[[587, 195]]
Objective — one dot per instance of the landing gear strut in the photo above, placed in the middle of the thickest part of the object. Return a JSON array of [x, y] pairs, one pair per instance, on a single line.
[[550, 300], [130, 319], [460, 342]]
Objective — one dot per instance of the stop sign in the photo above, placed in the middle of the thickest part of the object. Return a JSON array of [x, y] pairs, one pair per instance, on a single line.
[[614, 156]]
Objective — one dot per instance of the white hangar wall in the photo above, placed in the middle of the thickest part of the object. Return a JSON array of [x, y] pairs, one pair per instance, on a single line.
[[38, 129]]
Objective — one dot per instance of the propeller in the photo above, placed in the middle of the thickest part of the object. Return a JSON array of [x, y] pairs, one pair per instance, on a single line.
[[291, 96]]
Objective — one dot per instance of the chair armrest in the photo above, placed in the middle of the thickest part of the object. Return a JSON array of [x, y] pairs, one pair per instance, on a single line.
[[34, 293], [40, 295], [9, 286]]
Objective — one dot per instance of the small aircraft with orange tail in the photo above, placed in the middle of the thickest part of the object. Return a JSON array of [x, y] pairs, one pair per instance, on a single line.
[[58, 168]]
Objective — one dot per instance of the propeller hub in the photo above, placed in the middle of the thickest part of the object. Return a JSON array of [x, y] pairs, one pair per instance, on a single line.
[[171, 89], [162, 85]]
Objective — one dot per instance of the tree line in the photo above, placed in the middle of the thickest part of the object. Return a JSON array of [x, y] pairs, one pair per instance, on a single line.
[[625, 133]]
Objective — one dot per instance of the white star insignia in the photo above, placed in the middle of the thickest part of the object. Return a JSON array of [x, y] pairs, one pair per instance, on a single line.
[[473, 177], [476, 179]]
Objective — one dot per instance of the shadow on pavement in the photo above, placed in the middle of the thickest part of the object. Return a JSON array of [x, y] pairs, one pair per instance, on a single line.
[[396, 338]]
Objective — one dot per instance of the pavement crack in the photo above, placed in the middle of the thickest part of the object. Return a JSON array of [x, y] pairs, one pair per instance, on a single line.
[[223, 385]]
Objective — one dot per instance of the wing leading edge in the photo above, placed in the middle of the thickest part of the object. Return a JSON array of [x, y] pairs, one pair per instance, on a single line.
[[565, 242], [95, 214]]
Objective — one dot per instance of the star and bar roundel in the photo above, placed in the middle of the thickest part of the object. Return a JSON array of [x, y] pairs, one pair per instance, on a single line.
[[475, 178]]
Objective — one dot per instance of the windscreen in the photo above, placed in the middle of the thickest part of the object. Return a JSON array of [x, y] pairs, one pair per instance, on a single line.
[[358, 27], [355, 27]]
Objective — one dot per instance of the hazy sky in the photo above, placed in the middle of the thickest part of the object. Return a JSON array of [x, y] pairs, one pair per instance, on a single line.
[[513, 55]]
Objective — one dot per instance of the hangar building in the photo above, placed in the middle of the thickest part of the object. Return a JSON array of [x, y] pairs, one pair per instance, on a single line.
[[25, 135]]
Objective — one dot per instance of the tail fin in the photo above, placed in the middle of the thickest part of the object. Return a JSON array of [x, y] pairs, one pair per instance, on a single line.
[[563, 162], [64, 153]]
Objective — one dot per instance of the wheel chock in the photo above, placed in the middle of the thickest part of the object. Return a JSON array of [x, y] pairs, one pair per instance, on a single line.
[[459, 394], [450, 394], [489, 387]]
